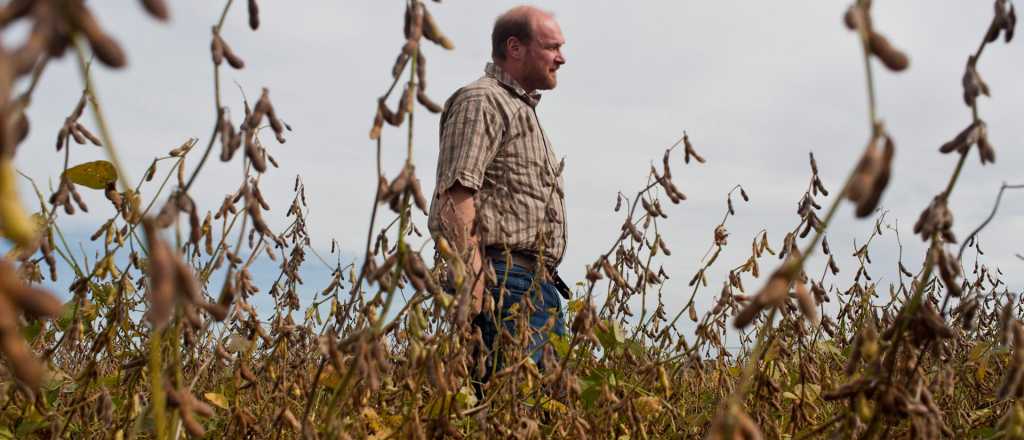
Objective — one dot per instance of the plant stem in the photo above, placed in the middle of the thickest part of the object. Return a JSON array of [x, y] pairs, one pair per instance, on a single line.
[[97, 110], [156, 385]]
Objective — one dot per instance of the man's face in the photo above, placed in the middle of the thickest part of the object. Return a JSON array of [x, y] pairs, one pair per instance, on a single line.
[[543, 55]]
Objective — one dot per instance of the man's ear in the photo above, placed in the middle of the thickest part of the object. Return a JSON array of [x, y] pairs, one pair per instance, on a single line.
[[514, 48]]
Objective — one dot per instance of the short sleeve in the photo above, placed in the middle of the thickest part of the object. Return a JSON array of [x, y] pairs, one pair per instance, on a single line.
[[470, 135]]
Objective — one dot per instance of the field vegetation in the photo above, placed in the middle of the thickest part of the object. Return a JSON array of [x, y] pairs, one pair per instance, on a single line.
[[148, 346]]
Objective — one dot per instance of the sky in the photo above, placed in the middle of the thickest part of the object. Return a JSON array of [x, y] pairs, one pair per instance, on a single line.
[[756, 85]]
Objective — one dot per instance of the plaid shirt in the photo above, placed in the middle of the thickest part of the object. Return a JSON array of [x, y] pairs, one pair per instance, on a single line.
[[492, 142]]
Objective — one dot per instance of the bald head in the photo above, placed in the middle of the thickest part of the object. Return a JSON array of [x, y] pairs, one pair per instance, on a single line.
[[527, 44], [517, 23]]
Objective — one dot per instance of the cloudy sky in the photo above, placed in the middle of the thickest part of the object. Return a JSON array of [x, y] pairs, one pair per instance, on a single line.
[[757, 85]]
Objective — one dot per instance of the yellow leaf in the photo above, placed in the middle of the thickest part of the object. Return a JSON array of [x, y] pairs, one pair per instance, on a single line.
[[373, 420], [217, 399], [15, 223], [441, 405], [466, 397], [647, 405], [96, 174], [977, 352], [555, 406], [575, 306]]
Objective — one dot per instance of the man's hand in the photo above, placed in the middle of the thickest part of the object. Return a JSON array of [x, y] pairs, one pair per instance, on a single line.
[[463, 235]]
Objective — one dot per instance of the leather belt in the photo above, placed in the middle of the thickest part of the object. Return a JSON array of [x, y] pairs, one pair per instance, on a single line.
[[529, 262], [516, 258]]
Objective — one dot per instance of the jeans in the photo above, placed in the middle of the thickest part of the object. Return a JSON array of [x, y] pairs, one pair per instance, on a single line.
[[546, 302]]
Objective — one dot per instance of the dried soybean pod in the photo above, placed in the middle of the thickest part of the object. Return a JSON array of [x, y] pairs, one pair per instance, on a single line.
[[1011, 22], [252, 151], [689, 150], [425, 100], [433, 32], [34, 301], [893, 58], [20, 127], [664, 248], [879, 181], [106, 49], [19, 355], [259, 198], [832, 266], [157, 8], [421, 202], [421, 70], [88, 134], [193, 427], [254, 15], [233, 59], [392, 118], [276, 124], [62, 137], [414, 18], [852, 18], [405, 105], [904, 270], [378, 125], [400, 62], [79, 139], [217, 48], [287, 415], [985, 150], [111, 193], [747, 315], [807, 304]]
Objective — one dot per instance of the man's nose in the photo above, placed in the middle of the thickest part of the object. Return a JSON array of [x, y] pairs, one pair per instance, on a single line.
[[559, 59]]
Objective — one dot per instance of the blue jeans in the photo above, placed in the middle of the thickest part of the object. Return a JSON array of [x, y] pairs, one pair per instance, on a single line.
[[546, 302]]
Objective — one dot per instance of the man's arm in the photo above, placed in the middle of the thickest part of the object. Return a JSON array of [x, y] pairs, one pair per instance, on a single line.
[[461, 218]]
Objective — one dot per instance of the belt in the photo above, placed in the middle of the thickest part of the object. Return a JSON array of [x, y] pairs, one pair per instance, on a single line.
[[528, 261]]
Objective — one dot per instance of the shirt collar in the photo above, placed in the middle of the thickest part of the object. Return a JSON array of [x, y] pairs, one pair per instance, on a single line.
[[494, 71]]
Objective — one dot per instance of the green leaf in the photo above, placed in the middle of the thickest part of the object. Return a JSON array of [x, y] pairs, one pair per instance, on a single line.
[[96, 174], [592, 384], [86, 313], [466, 397], [29, 426], [613, 337], [560, 344], [32, 330], [635, 348], [591, 392]]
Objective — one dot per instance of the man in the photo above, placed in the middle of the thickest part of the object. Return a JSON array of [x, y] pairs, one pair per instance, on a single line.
[[499, 192]]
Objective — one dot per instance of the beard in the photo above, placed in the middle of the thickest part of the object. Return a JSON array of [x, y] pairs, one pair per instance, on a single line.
[[540, 78]]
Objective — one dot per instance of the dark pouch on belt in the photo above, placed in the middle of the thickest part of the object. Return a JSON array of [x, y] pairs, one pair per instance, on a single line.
[[563, 289]]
